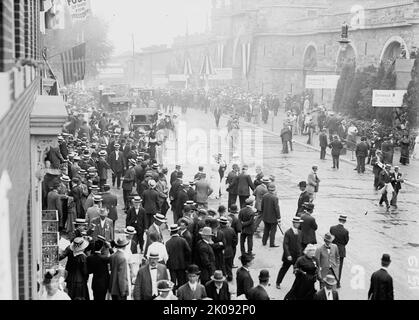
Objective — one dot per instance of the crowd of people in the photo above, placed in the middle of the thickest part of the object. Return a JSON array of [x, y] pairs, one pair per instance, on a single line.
[[138, 262]]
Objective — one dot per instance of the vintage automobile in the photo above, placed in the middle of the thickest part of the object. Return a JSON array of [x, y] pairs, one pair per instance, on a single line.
[[142, 118]]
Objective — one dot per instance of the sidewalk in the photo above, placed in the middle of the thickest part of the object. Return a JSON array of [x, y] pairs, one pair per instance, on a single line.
[[275, 125]]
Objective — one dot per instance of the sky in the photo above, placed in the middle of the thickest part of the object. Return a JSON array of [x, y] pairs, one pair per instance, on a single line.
[[152, 22]]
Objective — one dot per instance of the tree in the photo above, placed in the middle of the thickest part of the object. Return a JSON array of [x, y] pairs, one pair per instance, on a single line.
[[411, 98], [346, 77], [386, 80], [98, 50]]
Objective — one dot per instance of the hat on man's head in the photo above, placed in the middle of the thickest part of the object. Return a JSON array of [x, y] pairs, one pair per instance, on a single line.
[[250, 200], [91, 169], [103, 212], [80, 222], [97, 198], [65, 178], [296, 220], [223, 220], [266, 179], [94, 187], [233, 208], [174, 228], [264, 275], [302, 184], [330, 280], [386, 258], [328, 237], [271, 187], [206, 231], [121, 242], [155, 166], [137, 199], [116, 145], [153, 255], [343, 217], [193, 269], [308, 205], [218, 276], [76, 158], [160, 217], [133, 162], [102, 153], [246, 258], [130, 230], [152, 183]]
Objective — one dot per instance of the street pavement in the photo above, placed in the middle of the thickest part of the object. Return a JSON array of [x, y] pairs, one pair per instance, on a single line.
[[373, 231]]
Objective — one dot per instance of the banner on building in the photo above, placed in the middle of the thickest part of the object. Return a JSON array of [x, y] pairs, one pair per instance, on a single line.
[[187, 67], [74, 64], [220, 50], [246, 58], [322, 81], [222, 74], [388, 98], [206, 68], [80, 10]]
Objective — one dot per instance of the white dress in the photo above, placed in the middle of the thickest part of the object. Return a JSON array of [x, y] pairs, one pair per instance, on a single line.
[[214, 180]]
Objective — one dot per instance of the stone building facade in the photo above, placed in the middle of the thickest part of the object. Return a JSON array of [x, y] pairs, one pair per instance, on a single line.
[[290, 39]]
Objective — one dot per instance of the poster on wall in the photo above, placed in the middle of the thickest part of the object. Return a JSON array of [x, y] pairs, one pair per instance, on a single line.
[[388, 98]]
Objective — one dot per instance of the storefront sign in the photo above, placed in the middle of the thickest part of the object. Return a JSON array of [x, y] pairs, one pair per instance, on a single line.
[[322, 81], [388, 98], [222, 74], [6, 288], [79, 9]]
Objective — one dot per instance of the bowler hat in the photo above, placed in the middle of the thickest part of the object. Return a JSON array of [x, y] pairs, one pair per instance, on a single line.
[[264, 275], [271, 187], [328, 237], [302, 184], [193, 269], [386, 258], [246, 258]]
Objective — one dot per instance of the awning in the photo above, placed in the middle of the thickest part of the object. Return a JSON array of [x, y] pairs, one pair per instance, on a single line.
[[48, 115]]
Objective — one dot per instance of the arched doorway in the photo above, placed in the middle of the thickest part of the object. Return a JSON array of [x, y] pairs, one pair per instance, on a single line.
[[346, 55], [394, 48], [309, 63]]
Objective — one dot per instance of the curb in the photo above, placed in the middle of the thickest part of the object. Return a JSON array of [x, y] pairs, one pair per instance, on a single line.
[[415, 185]]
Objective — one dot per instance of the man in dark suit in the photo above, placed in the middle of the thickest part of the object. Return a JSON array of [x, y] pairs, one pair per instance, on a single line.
[[304, 197], [323, 144], [244, 182], [128, 183], [231, 182], [328, 292], [246, 218], [175, 186], [230, 240], [217, 287], [120, 281], [179, 254], [243, 278], [102, 169], [136, 218], [102, 226], [151, 202], [206, 255], [341, 240], [308, 229], [54, 203], [110, 201], [259, 292], [174, 175], [361, 152], [98, 265], [381, 287], [292, 249], [155, 228], [336, 147], [184, 232], [271, 216], [116, 162], [181, 198], [145, 287]]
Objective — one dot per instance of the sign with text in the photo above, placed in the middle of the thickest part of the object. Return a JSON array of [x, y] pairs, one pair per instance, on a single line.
[[222, 74], [388, 98], [322, 81], [79, 9], [177, 77]]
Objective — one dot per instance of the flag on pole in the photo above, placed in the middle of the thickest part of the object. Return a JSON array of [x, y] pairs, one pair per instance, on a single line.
[[206, 68], [74, 64], [187, 67]]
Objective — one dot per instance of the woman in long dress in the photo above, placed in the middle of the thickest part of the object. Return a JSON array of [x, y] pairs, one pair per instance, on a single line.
[[77, 270], [306, 272]]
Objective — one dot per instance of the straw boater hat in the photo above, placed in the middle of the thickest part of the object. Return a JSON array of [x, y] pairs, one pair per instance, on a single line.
[[160, 217], [137, 199], [153, 255], [130, 230], [133, 162], [80, 222], [296, 220], [174, 228], [330, 280], [152, 183], [343, 217], [65, 178], [223, 220], [266, 179], [102, 153], [218, 276], [79, 245], [121, 242]]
